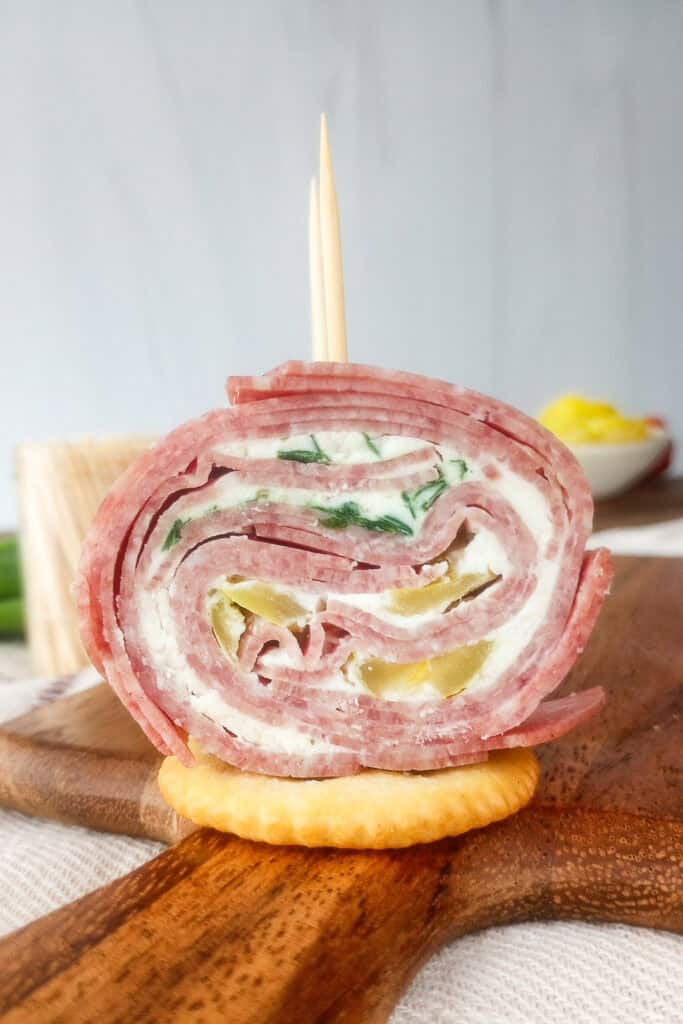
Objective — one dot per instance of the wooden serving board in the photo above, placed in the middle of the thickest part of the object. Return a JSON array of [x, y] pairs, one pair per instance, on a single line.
[[217, 929]]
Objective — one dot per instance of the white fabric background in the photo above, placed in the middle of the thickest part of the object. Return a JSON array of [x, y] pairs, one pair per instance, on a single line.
[[525, 974], [44, 865]]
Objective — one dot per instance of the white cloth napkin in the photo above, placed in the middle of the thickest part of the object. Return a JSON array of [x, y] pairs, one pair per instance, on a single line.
[[664, 539], [44, 865], [544, 973]]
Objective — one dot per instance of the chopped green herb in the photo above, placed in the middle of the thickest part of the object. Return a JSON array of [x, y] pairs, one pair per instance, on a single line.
[[317, 447], [301, 455], [305, 454], [389, 524], [341, 516], [424, 497], [462, 466], [408, 502], [173, 535], [430, 495], [349, 514], [372, 446]]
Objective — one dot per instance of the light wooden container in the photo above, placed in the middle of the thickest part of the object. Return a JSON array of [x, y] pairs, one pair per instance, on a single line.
[[61, 485]]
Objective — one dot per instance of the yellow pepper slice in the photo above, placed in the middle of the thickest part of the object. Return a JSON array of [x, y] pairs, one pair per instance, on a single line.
[[448, 673], [437, 595], [264, 600], [578, 420], [228, 624]]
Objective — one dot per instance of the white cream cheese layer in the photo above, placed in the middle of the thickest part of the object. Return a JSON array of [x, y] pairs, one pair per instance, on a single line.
[[342, 447]]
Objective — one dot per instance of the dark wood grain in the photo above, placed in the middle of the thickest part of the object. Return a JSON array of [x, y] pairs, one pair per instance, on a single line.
[[653, 502], [630, 757], [84, 761], [92, 718], [96, 788], [220, 929]]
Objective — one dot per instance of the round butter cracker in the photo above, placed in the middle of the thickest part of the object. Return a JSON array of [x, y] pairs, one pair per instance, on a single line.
[[371, 810]]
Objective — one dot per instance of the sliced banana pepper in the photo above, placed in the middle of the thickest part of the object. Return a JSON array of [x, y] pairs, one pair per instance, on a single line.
[[448, 673], [437, 595]]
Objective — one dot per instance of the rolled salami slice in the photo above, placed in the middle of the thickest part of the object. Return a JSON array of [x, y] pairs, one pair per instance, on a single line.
[[351, 567]]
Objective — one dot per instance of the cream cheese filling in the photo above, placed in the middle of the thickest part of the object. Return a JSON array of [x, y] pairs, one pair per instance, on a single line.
[[343, 447]]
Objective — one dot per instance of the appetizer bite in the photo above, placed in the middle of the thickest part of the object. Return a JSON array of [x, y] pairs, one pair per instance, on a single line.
[[350, 569]]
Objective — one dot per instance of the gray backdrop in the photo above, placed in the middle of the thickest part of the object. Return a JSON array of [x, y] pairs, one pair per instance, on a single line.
[[510, 179]]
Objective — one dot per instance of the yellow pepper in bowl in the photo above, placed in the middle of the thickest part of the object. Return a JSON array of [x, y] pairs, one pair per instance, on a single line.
[[577, 420]]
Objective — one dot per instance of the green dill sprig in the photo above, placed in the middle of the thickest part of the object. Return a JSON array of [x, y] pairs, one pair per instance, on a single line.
[[407, 499], [372, 446], [424, 497], [306, 454], [174, 534], [350, 514]]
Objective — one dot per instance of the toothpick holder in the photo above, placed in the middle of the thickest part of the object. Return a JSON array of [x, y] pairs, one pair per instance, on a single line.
[[61, 485]]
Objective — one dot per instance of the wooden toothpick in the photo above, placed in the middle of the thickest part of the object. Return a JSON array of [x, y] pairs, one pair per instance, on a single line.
[[317, 282], [330, 235]]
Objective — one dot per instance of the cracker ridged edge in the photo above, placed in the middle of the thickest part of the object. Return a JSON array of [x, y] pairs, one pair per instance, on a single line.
[[371, 810]]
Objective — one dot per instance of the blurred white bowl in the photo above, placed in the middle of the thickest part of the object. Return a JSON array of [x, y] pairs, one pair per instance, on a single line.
[[614, 468]]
